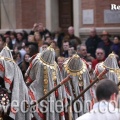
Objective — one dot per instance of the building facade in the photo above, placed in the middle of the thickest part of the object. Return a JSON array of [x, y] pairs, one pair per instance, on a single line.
[[82, 14]]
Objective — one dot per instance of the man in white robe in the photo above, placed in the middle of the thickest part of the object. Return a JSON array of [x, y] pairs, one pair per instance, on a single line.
[[106, 93]]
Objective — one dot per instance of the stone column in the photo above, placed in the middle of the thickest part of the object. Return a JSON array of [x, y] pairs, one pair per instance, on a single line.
[[8, 14], [52, 15], [76, 16]]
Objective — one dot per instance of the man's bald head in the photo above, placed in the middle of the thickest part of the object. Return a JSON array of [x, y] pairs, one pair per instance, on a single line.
[[92, 32], [93, 29], [71, 30]]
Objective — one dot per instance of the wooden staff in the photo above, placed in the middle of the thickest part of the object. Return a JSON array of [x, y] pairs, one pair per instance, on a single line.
[[96, 80], [82, 93], [70, 112], [55, 88]]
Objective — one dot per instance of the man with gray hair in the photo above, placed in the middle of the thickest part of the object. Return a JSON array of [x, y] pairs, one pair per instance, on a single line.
[[100, 57], [74, 40], [82, 52]]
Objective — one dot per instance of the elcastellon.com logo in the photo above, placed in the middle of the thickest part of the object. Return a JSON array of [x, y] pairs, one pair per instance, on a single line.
[[58, 107], [115, 7]]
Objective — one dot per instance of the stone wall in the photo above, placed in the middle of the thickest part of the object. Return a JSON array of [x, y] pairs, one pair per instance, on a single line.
[[98, 7], [29, 12]]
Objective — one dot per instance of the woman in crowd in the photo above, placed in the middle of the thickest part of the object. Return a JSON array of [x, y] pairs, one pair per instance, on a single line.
[[38, 40], [55, 47], [8, 42], [25, 64], [13, 37], [60, 61], [18, 59], [31, 38], [116, 45], [20, 40]]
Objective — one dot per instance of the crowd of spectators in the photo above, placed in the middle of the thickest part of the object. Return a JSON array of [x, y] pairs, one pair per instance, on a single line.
[[26, 44]]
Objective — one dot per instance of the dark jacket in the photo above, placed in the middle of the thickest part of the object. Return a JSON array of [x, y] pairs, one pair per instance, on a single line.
[[65, 54], [106, 47], [91, 44], [76, 38], [116, 49], [60, 39]]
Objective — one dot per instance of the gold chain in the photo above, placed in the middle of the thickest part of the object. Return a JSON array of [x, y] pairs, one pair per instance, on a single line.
[[75, 72], [6, 58]]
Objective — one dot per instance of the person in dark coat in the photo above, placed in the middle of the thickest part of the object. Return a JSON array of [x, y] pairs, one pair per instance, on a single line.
[[92, 42], [73, 40], [61, 36], [105, 43], [116, 45], [65, 48], [24, 64], [9, 42]]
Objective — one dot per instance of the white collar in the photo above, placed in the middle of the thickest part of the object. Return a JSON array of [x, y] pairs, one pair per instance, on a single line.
[[103, 104]]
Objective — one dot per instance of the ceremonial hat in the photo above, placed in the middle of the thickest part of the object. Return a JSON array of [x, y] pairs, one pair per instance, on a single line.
[[111, 62], [48, 56], [75, 66]]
